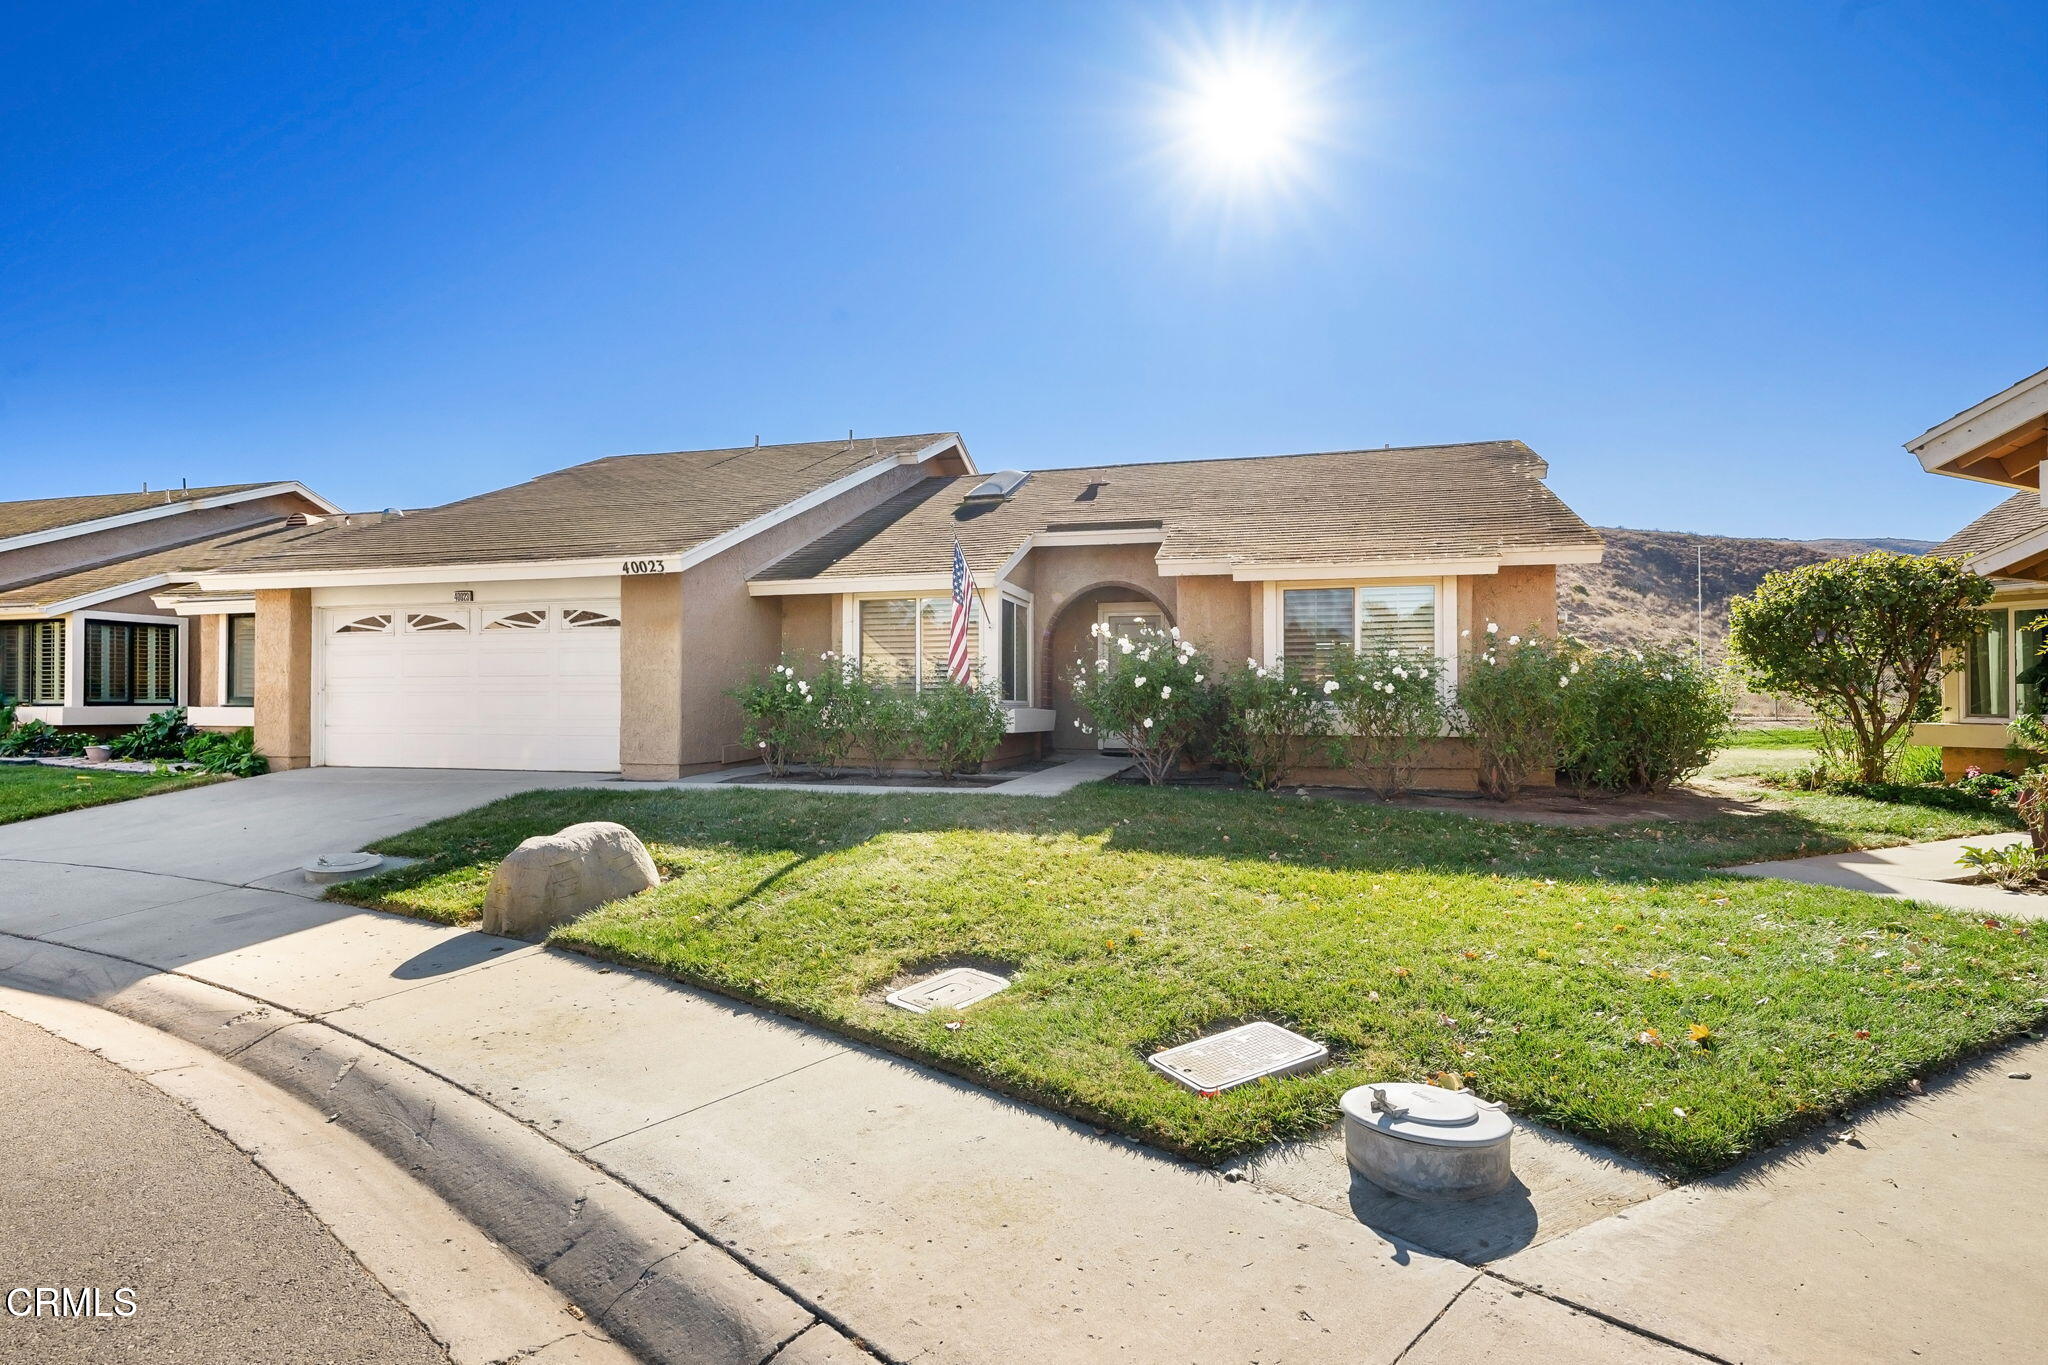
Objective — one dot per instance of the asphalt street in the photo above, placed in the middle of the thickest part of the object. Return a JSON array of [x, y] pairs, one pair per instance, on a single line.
[[109, 1184]]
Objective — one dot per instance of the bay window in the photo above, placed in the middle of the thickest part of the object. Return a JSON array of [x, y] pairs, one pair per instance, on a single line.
[[1316, 622], [1016, 652], [32, 662], [128, 664]]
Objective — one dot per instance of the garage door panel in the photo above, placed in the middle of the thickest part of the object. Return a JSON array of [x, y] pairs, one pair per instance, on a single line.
[[543, 699]]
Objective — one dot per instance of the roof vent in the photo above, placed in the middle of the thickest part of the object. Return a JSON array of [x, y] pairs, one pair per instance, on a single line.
[[298, 519], [999, 486], [1090, 493]]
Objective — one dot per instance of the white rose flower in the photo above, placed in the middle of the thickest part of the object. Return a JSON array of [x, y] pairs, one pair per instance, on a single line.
[[1329, 687], [1492, 628], [1198, 677], [1514, 639], [1564, 682], [1148, 722], [1139, 681], [1165, 692]]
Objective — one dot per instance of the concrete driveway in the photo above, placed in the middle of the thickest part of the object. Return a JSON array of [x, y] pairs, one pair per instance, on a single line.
[[249, 832]]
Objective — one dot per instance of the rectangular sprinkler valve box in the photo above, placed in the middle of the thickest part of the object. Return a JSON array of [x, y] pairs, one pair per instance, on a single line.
[[953, 989], [1239, 1056], [1426, 1142]]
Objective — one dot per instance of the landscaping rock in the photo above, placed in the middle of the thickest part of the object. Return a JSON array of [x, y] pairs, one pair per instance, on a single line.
[[552, 878]]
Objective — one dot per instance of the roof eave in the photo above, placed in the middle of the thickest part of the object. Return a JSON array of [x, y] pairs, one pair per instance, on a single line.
[[2000, 441], [97, 524]]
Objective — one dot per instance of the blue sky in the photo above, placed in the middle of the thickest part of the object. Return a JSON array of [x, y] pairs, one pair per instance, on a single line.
[[1716, 261]]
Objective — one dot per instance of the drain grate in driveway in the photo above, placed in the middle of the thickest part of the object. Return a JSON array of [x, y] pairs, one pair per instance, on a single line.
[[1239, 1056], [953, 989]]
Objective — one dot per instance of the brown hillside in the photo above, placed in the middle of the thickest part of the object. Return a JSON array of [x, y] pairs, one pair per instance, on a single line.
[[1643, 591]]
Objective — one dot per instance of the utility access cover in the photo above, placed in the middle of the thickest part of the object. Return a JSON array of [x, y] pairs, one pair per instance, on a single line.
[[953, 989], [1239, 1056]]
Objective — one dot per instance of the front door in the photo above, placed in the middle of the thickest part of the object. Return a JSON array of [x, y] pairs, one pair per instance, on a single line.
[[1122, 618]]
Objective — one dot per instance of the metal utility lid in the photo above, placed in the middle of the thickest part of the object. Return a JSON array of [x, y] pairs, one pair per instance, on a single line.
[[953, 989], [1427, 1113], [1238, 1056]]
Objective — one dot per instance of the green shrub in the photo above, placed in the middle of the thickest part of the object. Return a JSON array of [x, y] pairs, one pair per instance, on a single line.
[[1274, 721], [878, 720], [1392, 706], [29, 739], [163, 735], [233, 753], [1637, 721], [957, 726], [1990, 786], [1153, 691], [2016, 867], [1510, 703], [780, 717]]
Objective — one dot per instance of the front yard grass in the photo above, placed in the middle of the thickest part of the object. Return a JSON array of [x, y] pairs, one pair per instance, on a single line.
[[31, 789], [1607, 981]]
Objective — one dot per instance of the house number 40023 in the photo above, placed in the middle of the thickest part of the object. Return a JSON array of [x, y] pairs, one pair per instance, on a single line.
[[645, 566]]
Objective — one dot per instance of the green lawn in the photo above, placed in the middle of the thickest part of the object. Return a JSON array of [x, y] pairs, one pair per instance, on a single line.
[[1562, 971], [31, 789]]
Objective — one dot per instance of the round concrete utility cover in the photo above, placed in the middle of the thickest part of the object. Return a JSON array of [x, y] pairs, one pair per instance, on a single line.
[[334, 867], [1428, 1114]]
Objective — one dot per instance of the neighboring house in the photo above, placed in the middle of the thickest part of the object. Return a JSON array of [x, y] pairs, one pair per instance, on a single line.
[[595, 618], [2002, 440], [82, 641]]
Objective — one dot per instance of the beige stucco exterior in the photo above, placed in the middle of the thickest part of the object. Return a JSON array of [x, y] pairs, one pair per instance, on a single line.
[[284, 676]]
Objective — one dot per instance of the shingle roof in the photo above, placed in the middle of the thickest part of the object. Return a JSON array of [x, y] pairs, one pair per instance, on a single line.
[[623, 505], [2019, 515], [50, 514], [176, 560], [1414, 503]]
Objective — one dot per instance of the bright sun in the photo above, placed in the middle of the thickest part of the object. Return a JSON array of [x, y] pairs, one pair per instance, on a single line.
[[1242, 117]]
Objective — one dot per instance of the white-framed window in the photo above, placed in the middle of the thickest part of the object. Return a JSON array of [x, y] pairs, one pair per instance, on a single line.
[[1013, 657], [1316, 621], [904, 640], [1999, 669]]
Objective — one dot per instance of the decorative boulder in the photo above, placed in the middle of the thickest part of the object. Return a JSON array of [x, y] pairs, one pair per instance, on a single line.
[[552, 878]]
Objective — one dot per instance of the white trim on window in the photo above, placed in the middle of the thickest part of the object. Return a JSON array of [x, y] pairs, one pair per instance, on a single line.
[[1446, 614]]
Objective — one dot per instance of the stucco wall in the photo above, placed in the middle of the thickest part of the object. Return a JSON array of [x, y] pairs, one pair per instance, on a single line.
[[1222, 616], [284, 676], [809, 626], [205, 675], [1518, 599], [685, 644], [56, 557]]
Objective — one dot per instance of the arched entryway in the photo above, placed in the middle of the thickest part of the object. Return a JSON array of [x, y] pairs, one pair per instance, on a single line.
[[1066, 641]]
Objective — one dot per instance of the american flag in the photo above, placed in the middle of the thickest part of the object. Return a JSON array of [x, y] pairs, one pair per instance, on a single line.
[[959, 665]]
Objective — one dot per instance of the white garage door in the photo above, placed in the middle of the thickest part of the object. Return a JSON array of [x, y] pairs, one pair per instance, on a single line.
[[471, 687]]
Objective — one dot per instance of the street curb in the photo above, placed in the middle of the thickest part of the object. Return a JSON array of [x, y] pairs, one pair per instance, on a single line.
[[634, 1269]]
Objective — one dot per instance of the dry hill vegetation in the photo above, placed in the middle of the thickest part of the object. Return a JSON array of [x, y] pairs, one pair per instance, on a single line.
[[1642, 592]]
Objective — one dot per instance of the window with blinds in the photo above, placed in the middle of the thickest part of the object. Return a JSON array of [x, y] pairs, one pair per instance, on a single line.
[[903, 640], [1402, 618], [1315, 622], [32, 662], [130, 665], [241, 661], [1016, 658]]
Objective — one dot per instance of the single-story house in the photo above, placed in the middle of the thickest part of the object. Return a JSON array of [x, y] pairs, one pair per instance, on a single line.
[[2001, 441], [595, 618], [84, 644]]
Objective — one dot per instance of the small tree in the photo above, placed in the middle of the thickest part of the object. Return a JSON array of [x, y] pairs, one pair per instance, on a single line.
[[1151, 689], [1392, 705], [1275, 721], [1863, 641]]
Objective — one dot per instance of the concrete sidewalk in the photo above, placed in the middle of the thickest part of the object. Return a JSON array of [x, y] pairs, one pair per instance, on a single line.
[[1923, 872]]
